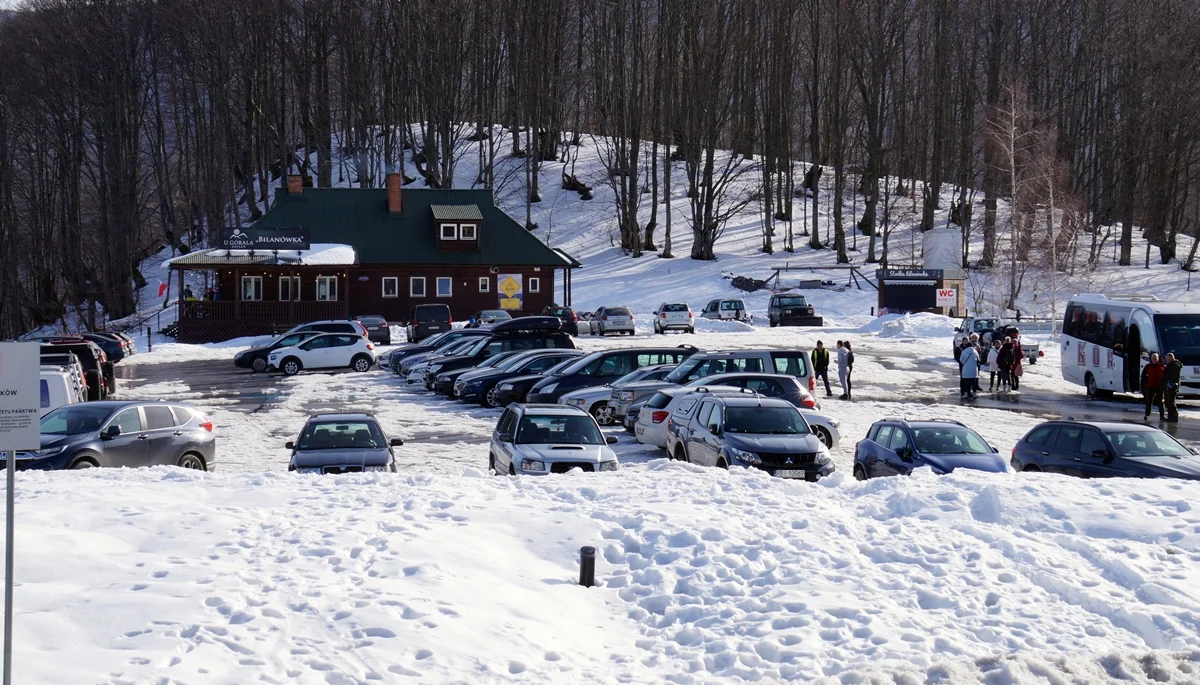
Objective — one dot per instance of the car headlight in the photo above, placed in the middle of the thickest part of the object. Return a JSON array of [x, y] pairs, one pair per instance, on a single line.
[[834, 422], [506, 386], [625, 395], [378, 467], [548, 388], [532, 465], [49, 451], [434, 368], [578, 401], [744, 456], [608, 465], [309, 469], [823, 456]]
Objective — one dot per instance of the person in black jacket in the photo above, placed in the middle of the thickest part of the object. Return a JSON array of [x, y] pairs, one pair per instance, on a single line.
[[820, 362], [1171, 386], [849, 367]]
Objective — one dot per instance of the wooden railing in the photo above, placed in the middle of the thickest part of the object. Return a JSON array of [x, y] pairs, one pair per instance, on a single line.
[[276, 313]]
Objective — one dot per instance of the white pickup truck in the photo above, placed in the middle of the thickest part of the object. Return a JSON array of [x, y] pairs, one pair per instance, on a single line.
[[987, 328]]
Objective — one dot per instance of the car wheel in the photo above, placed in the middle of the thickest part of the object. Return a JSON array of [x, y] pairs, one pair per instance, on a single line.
[[259, 364], [291, 366], [492, 464], [680, 455], [824, 435], [1030, 468], [692, 330], [773, 324], [512, 470], [361, 363], [604, 414], [490, 398], [859, 472], [191, 461], [83, 464], [722, 464], [657, 330]]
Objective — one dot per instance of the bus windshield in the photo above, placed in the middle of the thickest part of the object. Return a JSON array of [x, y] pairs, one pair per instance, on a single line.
[[1180, 333]]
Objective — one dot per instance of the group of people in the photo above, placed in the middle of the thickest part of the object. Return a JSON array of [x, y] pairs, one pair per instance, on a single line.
[[1160, 386], [210, 295], [845, 365], [1003, 361]]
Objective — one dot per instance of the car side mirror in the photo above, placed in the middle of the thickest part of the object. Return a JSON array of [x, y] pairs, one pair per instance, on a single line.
[[1102, 454], [110, 432], [289, 445], [995, 450], [505, 437], [396, 442], [714, 428], [610, 440], [905, 453]]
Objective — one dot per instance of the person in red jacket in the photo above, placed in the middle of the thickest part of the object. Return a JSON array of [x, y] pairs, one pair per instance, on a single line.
[[1152, 385]]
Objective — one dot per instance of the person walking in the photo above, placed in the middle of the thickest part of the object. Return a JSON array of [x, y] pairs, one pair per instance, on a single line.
[[1005, 361], [843, 374], [1171, 387], [820, 362], [993, 364], [970, 373], [979, 360], [1018, 358], [1152, 385], [849, 367]]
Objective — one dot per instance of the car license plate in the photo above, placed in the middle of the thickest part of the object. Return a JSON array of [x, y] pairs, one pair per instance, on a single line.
[[435, 328], [790, 473]]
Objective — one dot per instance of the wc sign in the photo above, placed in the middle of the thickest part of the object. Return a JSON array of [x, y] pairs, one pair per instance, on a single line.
[[947, 297]]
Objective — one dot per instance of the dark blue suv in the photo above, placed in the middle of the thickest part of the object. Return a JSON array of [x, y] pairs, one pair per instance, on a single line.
[[894, 447], [1104, 449]]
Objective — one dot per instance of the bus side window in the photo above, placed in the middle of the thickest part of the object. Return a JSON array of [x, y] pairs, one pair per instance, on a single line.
[[1145, 331]]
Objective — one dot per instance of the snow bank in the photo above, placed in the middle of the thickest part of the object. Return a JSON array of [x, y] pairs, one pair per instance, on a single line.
[[911, 326], [704, 575]]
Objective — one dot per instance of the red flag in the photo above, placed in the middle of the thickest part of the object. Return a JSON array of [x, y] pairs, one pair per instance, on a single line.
[[162, 289]]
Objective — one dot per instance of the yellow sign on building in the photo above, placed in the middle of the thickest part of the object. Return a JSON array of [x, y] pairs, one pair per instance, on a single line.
[[512, 288]]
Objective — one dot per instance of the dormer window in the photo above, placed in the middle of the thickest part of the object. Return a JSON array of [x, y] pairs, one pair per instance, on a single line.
[[449, 231], [466, 232], [457, 227]]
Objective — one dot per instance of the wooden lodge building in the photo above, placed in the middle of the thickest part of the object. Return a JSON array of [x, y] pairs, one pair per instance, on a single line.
[[370, 251]]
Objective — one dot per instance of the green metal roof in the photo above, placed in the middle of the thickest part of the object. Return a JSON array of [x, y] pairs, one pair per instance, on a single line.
[[359, 217], [456, 213]]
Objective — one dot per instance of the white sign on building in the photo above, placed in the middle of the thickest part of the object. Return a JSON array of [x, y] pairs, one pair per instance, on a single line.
[[947, 297], [20, 396]]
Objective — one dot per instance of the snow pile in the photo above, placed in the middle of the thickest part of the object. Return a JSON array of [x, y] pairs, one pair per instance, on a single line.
[[168, 576], [911, 326]]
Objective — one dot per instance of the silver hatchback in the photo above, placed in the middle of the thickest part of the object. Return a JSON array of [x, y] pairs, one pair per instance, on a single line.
[[612, 320]]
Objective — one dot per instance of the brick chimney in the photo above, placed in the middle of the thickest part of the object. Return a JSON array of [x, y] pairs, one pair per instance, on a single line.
[[295, 185], [394, 184]]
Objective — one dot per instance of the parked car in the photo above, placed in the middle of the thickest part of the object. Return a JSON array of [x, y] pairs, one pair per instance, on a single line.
[[733, 309], [792, 309], [97, 370], [652, 421], [792, 362], [486, 316], [330, 326], [113, 347], [426, 319], [631, 415], [325, 351], [480, 385], [516, 389], [754, 432], [342, 443], [524, 333], [395, 358], [594, 399], [674, 316], [990, 328], [414, 368], [69, 362], [443, 383], [1104, 449], [607, 320], [378, 329], [602, 367], [60, 386], [784, 388], [568, 317], [894, 447], [539, 439], [257, 359], [130, 434]]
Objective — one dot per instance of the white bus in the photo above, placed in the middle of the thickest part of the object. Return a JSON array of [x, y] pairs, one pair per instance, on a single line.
[[1106, 340]]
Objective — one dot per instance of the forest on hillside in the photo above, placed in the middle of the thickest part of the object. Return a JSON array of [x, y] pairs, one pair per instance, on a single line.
[[129, 124]]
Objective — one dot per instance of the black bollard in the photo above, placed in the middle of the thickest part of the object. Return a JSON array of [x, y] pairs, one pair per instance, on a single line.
[[149, 340], [587, 566]]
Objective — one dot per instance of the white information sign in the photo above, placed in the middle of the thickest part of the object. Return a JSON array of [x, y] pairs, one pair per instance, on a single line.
[[20, 396], [947, 297]]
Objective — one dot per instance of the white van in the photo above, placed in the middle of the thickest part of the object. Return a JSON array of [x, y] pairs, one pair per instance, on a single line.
[[59, 387]]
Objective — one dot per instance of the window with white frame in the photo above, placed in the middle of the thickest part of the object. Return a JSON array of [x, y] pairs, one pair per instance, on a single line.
[[289, 288], [485, 284], [535, 284], [391, 286], [449, 231], [252, 288], [466, 231], [445, 286], [327, 288], [416, 286]]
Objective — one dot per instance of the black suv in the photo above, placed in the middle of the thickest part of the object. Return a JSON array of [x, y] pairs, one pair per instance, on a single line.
[[601, 367], [97, 369], [568, 317], [1094, 449], [427, 319], [524, 333], [791, 309]]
